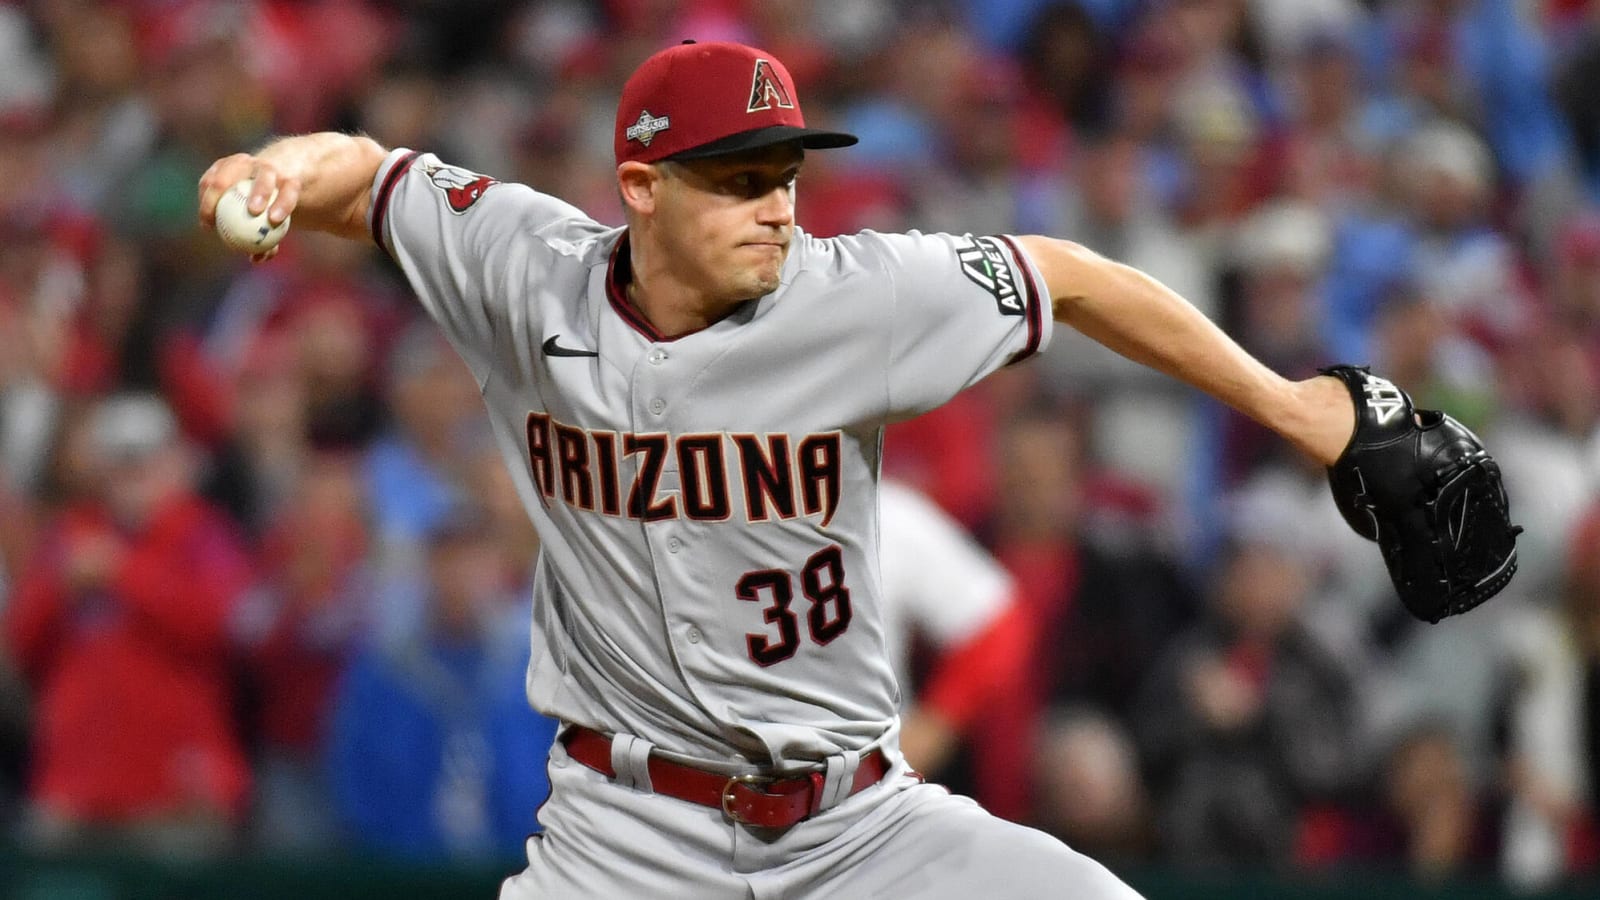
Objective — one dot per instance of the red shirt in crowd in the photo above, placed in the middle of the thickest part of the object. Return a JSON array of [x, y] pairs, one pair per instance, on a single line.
[[131, 681]]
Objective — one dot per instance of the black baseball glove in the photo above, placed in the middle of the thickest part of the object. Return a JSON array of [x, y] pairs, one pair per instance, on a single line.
[[1420, 484]]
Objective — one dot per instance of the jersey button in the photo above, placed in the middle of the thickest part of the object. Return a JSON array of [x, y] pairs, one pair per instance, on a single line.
[[657, 356], [694, 635], [674, 545], [658, 406]]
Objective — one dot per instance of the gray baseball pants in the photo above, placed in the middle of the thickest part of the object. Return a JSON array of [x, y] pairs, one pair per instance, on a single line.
[[898, 839]]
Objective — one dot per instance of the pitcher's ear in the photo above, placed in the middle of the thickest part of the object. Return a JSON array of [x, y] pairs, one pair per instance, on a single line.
[[639, 183]]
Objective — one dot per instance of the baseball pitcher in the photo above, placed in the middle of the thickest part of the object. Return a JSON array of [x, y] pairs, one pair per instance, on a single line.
[[693, 406]]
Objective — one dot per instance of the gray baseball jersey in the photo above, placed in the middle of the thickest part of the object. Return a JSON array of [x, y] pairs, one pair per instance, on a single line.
[[709, 577]]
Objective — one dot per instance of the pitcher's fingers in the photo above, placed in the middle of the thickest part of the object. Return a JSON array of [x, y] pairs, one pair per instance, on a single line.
[[266, 181], [288, 197], [222, 174], [210, 193]]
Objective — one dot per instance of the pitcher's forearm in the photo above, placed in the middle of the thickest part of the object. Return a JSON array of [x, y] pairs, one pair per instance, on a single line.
[[334, 172], [1140, 318], [323, 179]]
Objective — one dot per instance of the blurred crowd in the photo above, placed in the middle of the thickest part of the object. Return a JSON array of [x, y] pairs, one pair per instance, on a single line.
[[264, 580]]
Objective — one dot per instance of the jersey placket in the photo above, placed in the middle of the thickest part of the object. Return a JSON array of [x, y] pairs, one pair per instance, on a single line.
[[659, 384]]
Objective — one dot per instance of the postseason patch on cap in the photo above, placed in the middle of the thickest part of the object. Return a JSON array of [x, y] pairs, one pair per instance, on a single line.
[[696, 100], [645, 129]]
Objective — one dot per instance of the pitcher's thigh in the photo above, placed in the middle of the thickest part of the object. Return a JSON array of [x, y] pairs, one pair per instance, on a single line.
[[928, 843], [603, 840]]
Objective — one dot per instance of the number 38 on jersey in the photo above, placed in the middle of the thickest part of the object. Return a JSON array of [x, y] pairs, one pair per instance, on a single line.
[[780, 477]]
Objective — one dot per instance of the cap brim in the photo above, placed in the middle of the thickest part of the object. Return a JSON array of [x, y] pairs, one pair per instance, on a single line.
[[756, 138]]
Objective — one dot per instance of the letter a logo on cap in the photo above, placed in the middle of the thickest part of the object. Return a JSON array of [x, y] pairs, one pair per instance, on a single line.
[[765, 88]]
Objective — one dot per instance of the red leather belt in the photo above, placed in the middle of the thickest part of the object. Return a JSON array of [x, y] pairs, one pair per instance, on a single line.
[[761, 800]]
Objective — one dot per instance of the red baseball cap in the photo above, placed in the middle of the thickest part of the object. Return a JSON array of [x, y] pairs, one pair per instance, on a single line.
[[696, 100]]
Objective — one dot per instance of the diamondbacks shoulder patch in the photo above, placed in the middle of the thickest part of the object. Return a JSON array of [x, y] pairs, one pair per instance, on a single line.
[[461, 188], [985, 265]]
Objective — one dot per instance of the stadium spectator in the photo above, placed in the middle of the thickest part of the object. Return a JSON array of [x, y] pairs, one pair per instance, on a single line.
[[302, 627], [1066, 57], [1245, 719], [121, 625], [1101, 597], [432, 738], [1545, 446], [1142, 421], [268, 448], [415, 471], [1433, 821], [1330, 160], [412, 481], [942, 591], [1552, 822]]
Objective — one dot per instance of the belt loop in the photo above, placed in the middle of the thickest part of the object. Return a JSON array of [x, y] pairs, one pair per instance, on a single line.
[[630, 759], [840, 778], [819, 791]]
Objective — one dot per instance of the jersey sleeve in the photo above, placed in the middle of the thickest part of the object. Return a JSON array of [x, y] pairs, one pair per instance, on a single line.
[[469, 245], [960, 307]]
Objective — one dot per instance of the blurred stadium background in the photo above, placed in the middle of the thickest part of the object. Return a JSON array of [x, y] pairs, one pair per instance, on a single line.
[[263, 579]]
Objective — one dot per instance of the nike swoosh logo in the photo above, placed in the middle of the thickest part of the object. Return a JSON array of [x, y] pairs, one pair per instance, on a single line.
[[551, 348]]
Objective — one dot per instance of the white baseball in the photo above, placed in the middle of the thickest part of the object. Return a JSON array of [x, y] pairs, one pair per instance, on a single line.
[[242, 231]]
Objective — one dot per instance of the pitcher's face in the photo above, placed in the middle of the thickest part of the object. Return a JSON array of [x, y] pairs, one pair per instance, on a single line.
[[726, 221]]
